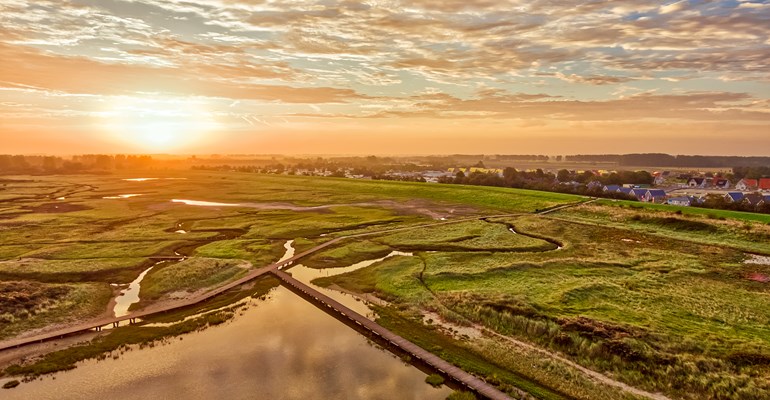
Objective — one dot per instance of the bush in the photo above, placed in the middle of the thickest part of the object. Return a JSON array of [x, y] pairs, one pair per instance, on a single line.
[[461, 396], [11, 384], [434, 380]]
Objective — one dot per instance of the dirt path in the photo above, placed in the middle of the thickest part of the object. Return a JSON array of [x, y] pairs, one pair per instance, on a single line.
[[597, 376]]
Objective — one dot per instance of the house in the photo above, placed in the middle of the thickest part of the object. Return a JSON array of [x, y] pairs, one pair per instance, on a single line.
[[626, 191], [720, 183], [698, 182], [764, 184], [753, 199], [639, 193], [659, 180], [594, 185], [745, 185], [655, 196], [734, 197], [611, 188], [685, 201]]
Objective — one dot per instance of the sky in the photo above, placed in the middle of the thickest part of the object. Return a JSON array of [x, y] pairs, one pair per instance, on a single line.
[[385, 76]]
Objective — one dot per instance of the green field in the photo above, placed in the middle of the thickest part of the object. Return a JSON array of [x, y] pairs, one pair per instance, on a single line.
[[656, 297], [659, 311]]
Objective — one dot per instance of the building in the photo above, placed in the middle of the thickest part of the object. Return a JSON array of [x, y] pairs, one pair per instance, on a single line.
[[745, 185], [611, 188], [593, 185], [655, 196], [698, 182], [720, 183], [639, 193], [764, 184], [684, 201], [753, 199], [734, 197]]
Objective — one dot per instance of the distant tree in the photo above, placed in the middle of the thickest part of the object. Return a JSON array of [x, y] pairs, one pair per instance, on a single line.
[[510, 173]]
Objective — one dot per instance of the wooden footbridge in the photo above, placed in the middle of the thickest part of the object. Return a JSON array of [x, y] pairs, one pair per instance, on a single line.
[[469, 381]]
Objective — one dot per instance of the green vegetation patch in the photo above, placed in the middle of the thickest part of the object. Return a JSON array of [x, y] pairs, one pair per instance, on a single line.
[[349, 254], [109, 270], [695, 211], [125, 249], [27, 304], [293, 224], [465, 236], [434, 380], [260, 252], [190, 275]]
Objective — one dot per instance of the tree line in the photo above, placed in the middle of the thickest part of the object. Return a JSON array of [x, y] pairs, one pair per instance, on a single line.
[[667, 160], [21, 164]]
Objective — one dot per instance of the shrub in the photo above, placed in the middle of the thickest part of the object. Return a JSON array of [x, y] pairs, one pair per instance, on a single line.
[[434, 380], [461, 396], [11, 384]]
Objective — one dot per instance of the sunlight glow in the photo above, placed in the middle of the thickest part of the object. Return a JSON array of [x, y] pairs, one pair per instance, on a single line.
[[157, 123]]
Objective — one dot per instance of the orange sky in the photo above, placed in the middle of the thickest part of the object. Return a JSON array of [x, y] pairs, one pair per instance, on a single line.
[[385, 77]]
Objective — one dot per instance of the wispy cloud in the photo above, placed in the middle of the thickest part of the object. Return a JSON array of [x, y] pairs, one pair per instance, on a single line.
[[376, 60]]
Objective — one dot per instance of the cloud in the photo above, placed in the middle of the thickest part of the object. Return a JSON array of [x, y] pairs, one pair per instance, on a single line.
[[398, 59]]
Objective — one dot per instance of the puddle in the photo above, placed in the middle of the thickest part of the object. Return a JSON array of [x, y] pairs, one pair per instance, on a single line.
[[205, 203], [122, 196], [152, 179]]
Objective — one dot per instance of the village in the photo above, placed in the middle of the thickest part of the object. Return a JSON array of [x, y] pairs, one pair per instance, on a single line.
[[709, 189]]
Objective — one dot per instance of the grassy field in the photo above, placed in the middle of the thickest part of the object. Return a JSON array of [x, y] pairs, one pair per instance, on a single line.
[[656, 297], [694, 211], [667, 311]]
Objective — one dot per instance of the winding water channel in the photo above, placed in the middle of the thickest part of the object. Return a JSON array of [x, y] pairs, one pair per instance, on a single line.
[[280, 347]]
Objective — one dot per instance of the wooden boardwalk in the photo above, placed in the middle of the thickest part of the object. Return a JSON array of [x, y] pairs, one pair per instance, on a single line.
[[106, 322], [417, 352]]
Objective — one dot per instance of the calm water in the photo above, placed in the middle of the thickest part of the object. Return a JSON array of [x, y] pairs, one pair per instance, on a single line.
[[306, 275], [130, 295], [280, 348]]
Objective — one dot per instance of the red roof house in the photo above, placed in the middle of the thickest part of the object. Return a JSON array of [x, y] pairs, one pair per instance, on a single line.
[[764, 184], [747, 184]]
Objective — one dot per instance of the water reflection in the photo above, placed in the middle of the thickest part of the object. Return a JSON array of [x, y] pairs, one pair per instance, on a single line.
[[205, 203], [122, 196], [281, 348], [130, 295], [306, 275]]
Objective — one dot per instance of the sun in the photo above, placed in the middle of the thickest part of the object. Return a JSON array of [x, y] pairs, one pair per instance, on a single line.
[[157, 124]]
